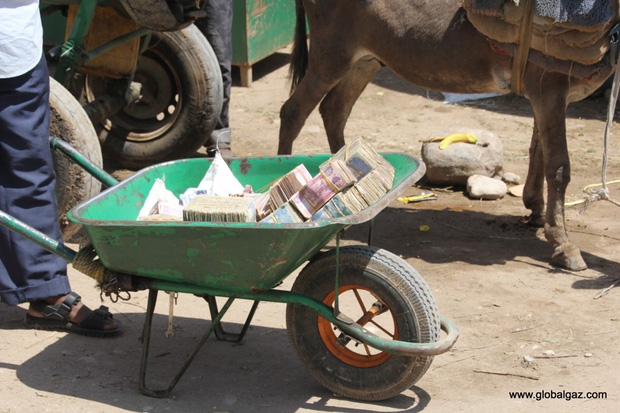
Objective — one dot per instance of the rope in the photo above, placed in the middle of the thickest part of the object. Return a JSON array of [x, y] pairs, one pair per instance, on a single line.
[[522, 49], [593, 195], [86, 262]]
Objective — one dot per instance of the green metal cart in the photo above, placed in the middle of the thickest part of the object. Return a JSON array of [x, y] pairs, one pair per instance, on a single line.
[[361, 319]]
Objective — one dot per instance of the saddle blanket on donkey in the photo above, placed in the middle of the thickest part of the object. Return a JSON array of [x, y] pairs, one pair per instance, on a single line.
[[569, 30]]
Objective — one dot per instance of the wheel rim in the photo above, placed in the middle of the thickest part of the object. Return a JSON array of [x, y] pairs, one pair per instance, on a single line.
[[157, 109], [362, 305]]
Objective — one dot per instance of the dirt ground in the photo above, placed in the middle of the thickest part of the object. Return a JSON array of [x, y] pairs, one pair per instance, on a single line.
[[525, 325]]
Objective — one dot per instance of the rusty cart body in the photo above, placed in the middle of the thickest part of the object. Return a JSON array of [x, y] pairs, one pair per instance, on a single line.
[[361, 319]]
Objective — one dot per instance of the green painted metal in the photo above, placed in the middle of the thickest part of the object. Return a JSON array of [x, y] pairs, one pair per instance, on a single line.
[[260, 28], [238, 257], [106, 47], [71, 52], [73, 55], [75, 156], [36, 236], [352, 329], [54, 26]]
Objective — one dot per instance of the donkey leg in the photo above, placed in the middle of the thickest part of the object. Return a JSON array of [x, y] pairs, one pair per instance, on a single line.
[[533, 197], [295, 111], [314, 86], [549, 105], [337, 105]]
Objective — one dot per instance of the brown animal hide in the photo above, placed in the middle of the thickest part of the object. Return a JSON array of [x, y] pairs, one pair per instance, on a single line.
[[565, 41]]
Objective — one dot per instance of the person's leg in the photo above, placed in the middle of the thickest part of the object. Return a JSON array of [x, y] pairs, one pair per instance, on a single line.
[[27, 190], [217, 28], [28, 272]]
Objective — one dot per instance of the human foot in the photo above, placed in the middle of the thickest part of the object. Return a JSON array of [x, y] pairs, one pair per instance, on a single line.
[[69, 313]]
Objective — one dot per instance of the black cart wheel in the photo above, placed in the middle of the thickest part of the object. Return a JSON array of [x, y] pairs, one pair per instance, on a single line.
[[383, 293], [74, 185], [180, 104]]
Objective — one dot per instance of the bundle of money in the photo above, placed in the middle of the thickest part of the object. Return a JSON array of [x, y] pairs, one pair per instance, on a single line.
[[366, 191], [359, 156], [370, 188], [334, 208], [342, 204], [377, 182], [353, 200], [286, 214], [313, 196], [170, 208], [337, 174], [282, 191], [385, 173], [210, 208]]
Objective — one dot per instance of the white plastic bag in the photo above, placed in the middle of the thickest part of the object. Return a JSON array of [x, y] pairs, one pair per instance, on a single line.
[[157, 194], [219, 179]]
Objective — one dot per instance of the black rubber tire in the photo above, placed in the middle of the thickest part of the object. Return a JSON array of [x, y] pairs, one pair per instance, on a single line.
[[157, 15], [382, 276], [74, 185], [181, 103]]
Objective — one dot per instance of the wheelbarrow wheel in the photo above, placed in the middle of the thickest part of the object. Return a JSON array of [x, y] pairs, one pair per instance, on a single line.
[[180, 104], [380, 291], [74, 185]]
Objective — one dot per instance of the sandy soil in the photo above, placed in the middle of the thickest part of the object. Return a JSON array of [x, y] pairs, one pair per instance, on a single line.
[[525, 325]]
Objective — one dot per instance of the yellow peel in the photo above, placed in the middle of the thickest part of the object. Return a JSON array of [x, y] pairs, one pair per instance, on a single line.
[[457, 137]]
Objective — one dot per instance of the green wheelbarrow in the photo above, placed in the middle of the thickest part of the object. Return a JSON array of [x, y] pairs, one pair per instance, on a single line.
[[362, 320]]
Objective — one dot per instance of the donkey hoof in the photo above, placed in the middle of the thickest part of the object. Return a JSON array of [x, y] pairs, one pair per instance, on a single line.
[[569, 257], [535, 219]]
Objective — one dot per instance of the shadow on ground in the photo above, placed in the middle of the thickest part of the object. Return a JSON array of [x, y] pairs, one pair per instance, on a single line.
[[260, 374], [471, 237]]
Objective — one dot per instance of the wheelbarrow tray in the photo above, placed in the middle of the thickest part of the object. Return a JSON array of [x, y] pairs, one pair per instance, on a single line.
[[237, 257]]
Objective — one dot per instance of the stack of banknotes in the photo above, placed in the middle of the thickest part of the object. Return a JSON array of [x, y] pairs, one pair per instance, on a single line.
[[348, 182], [351, 180], [281, 191], [333, 177], [211, 208], [365, 192], [360, 157]]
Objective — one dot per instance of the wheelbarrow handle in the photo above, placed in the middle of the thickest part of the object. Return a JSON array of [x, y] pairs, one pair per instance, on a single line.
[[36, 236], [75, 156]]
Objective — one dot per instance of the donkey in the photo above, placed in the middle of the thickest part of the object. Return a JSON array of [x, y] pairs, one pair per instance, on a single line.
[[433, 44]]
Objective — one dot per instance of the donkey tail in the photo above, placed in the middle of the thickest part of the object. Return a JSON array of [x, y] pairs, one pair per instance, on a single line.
[[299, 57]]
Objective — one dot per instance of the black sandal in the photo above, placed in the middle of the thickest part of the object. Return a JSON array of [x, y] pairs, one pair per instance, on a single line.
[[56, 317]]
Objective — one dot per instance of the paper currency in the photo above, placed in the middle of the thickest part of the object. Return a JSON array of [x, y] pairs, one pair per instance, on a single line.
[[365, 192], [335, 208], [210, 208], [337, 174], [385, 173], [282, 191], [313, 196], [170, 208], [359, 156], [286, 214]]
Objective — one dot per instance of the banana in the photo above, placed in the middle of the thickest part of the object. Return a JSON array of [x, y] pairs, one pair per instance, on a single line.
[[457, 137]]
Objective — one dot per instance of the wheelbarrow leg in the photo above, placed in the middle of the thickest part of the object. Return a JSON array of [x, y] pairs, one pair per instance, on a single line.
[[146, 338], [220, 333]]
